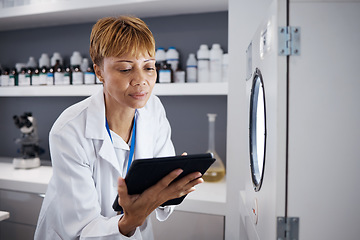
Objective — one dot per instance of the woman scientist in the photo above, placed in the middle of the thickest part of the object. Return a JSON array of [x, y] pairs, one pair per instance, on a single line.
[[92, 142]]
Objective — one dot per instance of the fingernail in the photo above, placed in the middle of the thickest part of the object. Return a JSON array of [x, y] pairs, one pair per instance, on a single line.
[[120, 181]]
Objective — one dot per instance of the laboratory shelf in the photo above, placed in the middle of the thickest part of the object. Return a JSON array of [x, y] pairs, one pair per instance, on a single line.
[[160, 89], [61, 12]]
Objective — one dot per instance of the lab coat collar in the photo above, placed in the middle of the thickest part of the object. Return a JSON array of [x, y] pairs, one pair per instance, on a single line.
[[95, 120], [95, 129]]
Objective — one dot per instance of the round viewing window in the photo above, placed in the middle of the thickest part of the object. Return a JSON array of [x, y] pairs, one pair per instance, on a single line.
[[257, 130]]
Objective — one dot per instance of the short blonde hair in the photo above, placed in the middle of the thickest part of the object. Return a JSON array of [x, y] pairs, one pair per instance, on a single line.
[[116, 36]]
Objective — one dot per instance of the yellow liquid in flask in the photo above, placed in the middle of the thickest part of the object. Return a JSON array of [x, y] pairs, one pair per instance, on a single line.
[[216, 172]]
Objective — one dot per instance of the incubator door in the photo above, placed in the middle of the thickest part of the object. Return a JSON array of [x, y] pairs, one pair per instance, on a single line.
[[307, 142], [264, 197]]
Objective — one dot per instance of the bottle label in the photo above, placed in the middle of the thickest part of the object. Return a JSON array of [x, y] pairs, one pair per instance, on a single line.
[[43, 78], [35, 80], [24, 80], [179, 77], [191, 72], [50, 79], [5, 79], [66, 78], [77, 78], [164, 76], [11, 80], [215, 70], [203, 71], [89, 78], [58, 78]]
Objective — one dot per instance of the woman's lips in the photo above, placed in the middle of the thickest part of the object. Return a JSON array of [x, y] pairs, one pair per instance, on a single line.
[[139, 95]]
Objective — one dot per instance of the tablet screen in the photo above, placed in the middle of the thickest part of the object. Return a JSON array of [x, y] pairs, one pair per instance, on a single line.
[[144, 173]]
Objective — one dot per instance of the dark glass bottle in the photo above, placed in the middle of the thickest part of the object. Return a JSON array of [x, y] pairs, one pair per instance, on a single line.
[[77, 76], [89, 76], [67, 75], [28, 76], [35, 77], [43, 75], [5, 77], [59, 73], [166, 74], [22, 77]]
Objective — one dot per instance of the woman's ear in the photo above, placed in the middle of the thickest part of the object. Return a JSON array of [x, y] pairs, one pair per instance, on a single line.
[[98, 72]]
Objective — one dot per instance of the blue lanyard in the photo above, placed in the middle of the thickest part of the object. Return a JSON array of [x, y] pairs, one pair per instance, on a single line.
[[132, 147]]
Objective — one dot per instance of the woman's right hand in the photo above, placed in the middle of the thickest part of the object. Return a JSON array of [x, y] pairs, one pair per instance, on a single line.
[[137, 207]]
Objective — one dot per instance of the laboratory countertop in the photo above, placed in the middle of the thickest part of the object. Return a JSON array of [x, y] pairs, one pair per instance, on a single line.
[[24, 180], [209, 198]]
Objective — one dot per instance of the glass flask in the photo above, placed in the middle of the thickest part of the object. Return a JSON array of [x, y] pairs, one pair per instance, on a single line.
[[216, 172]]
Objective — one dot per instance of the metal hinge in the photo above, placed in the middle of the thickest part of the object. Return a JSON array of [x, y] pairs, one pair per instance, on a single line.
[[289, 41], [287, 228]]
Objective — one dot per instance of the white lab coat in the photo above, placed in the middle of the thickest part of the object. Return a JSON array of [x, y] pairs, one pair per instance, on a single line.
[[79, 198]]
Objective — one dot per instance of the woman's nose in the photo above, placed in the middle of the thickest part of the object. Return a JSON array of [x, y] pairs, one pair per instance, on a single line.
[[138, 78]]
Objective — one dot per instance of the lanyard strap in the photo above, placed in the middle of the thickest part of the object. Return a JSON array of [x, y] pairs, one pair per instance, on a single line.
[[132, 147]]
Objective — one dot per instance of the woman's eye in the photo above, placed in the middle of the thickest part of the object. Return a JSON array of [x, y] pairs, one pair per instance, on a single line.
[[125, 70]]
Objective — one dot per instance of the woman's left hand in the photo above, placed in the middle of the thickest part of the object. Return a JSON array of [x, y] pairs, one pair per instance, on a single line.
[[137, 207]]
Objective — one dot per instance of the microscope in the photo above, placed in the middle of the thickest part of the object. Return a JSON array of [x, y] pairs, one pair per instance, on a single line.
[[29, 141]]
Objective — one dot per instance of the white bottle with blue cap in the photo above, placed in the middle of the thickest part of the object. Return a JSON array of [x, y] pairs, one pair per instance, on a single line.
[[191, 68], [172, 58]]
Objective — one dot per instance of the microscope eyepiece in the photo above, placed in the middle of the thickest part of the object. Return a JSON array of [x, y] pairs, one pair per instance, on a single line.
[[23, 120]]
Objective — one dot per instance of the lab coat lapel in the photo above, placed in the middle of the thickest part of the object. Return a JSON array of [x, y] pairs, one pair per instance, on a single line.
[[95, 129], [107, 153], [144, 135]]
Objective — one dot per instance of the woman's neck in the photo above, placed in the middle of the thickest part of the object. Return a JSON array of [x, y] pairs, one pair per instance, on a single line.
[[120, 120]]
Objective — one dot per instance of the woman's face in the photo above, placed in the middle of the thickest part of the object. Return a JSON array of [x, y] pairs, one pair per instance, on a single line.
[[128, 81]]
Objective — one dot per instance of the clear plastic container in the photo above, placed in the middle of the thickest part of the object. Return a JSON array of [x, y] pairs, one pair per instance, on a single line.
[[56, 56], [225, 67], [191, 68], [216, 57], [203, 57], [75, 59], [44, 61]]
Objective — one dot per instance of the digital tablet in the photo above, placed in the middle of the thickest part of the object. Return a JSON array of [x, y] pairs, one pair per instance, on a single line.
[[144, 173]]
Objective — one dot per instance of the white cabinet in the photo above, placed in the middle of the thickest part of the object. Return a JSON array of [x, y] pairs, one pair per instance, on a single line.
[[21, 194], [24, 209], [187, 225], [200, 216]]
